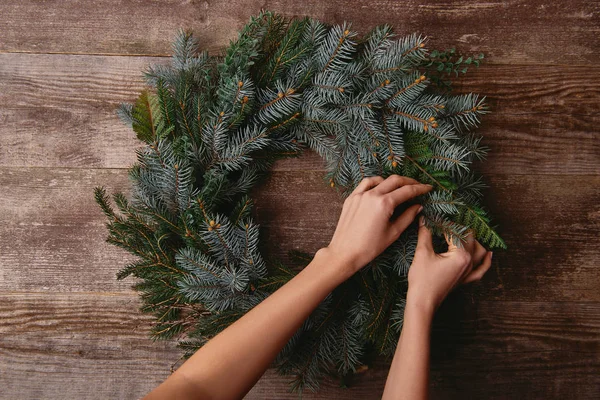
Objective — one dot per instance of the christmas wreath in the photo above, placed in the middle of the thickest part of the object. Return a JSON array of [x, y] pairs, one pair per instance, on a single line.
[[372, 105]]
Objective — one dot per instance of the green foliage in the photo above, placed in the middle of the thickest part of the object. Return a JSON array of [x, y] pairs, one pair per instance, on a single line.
[[441, 66], [212, 125]]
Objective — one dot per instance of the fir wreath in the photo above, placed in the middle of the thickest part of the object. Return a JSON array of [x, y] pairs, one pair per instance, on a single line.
[[374, 105]]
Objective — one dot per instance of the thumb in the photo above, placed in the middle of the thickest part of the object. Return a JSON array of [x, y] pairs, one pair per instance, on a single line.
[[425, 240], [405, 219]]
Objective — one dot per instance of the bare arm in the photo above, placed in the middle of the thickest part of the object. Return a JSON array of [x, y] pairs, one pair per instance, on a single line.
[[431, 277], [230, 364]]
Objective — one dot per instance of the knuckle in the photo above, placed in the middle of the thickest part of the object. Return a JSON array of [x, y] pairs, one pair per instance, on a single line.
[[372, 196], [384, 202]]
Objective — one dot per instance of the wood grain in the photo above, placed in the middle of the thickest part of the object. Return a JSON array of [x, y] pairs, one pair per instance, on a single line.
[[98, 343], [68, 329], [59, 111], [556, 32], [53, 233]]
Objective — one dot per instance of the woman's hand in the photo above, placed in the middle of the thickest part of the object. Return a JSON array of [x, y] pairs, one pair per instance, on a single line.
[[432, 276], [364, 229]]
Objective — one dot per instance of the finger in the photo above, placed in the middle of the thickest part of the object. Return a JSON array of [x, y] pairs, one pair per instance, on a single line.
[[478, 272], [424, 240], [479, 253], [405, 219], [367, 183], [408, 192], [393, 182], [469, 242]]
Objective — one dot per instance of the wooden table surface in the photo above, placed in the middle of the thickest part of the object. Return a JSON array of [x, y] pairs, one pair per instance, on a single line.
[[70, 330]]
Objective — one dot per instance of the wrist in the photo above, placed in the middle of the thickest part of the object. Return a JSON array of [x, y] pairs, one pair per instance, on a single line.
[[419, 303], [334, 263]]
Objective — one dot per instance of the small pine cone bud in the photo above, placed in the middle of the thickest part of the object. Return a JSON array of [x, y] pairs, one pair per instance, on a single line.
[[434, 125], [331, 184], [280, 95], [240, 83], [211, 223], [422, 78], [209, 229], [218, 225], [346, 32], [425, 128], [422, 45], [247, 226], [245, 99], [394, 164], [431, 119], [222, 113], [341, 89], [362, 369], [390, 158], [387, 81]]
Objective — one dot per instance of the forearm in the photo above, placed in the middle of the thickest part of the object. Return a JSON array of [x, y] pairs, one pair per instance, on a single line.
[[231, 363], [409, 373]]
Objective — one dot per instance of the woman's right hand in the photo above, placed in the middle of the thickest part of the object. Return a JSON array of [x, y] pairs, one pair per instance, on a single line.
[[432, 276]]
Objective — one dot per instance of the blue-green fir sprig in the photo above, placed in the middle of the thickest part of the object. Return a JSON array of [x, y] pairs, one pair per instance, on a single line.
[[213, 125]]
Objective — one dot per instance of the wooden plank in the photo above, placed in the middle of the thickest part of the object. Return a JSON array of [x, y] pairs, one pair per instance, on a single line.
[[509, 350], [53, 234], [98, 343], [510, 31], [58, 111]]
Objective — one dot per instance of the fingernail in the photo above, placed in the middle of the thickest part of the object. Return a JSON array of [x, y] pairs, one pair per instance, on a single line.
[[420, 209], [491, 254], [421, 220]]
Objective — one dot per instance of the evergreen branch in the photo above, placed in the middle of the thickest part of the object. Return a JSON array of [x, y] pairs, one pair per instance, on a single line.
[[429, 176]]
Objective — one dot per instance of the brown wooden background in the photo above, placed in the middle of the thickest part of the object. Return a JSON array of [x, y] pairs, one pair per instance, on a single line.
[[68, 329]]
